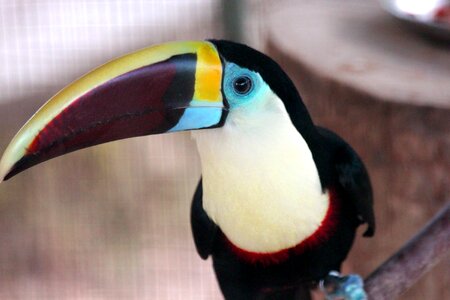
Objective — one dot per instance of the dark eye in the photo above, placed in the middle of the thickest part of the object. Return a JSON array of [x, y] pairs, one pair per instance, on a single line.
[[242, 85]]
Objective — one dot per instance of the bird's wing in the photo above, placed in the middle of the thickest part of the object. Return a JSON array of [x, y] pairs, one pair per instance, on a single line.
[[204, 229], [353, 178]]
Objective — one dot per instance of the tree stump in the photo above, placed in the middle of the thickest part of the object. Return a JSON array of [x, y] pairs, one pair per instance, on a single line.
[[386, 91]]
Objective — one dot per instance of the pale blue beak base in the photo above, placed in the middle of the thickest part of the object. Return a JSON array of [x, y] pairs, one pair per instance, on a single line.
[[198, 117]]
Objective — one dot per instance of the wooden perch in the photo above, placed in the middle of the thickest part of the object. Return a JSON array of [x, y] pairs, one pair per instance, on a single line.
[[413, 260]]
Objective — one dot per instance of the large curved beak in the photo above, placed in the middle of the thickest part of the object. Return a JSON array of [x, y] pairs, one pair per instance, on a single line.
[[165, 88]]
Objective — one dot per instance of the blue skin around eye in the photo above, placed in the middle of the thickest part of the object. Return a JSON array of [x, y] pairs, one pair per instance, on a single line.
[[198, 117], [233, 71]]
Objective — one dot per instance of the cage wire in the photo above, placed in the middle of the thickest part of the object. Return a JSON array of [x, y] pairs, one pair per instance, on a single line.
[[110, 222]]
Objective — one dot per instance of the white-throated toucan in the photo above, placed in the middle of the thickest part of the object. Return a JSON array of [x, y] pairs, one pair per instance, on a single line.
[[280, 198]]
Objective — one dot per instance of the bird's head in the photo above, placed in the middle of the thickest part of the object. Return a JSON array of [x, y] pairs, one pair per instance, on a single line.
[[170, 87]]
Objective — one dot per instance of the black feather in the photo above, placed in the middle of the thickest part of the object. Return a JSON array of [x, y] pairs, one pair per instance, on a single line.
[[352, 177], [204, 229]]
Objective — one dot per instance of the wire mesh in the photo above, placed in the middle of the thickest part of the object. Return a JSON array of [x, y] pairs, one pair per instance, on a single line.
[[111, 222]]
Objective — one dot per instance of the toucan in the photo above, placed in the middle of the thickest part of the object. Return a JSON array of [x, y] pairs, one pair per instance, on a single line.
[[280, 198]]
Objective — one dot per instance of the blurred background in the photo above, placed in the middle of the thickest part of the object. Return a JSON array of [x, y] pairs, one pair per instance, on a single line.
[[112, 222]]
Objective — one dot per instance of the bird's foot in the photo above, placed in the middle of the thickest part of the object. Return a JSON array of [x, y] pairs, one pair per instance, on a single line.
[[337, 287]]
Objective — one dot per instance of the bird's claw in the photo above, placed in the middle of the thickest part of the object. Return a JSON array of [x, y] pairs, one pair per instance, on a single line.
[[337, 287]]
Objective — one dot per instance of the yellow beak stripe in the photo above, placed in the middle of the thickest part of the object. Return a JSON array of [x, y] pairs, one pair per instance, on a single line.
[[208, 76]]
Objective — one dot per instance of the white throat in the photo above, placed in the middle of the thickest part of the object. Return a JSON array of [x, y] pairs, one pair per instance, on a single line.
[[260, 182]]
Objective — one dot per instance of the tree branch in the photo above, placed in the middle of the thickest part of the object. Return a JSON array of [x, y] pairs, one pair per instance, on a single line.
[[413, 260]]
